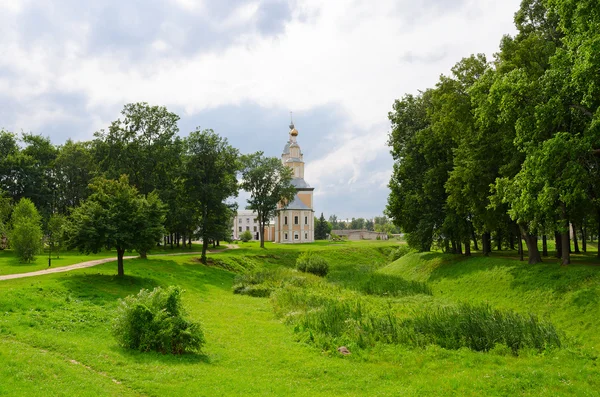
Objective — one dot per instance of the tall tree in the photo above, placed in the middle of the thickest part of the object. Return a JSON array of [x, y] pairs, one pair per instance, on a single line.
[[210, 179], [115, 216], [269, 182], [26, 232], [321, 228], [74, 168]]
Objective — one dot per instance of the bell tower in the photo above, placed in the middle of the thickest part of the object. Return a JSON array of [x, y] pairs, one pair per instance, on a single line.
[[295, 222]]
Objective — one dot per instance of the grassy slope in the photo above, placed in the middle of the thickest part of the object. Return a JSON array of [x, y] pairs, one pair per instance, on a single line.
[[48, 321]]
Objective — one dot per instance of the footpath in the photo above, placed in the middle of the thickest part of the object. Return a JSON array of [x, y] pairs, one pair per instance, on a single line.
[[96, 262]]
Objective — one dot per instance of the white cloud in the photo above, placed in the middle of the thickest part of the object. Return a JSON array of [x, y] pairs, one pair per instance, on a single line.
[[359, 54]]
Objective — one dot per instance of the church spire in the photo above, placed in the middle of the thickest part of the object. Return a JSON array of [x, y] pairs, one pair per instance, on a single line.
[[293, 130]]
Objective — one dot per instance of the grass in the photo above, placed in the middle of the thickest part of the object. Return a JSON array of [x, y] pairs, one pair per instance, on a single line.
[[55, 329], [10, 264]]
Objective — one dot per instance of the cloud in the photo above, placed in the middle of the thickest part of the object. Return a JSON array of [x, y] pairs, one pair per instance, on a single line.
[[239, 66]]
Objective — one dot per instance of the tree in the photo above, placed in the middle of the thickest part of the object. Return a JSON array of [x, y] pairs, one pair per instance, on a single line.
[[321, 228], [211, 165], [26, 233], [5, 211], [144, 145], [269, 182], [74, 168], [115, 216], [56, 225]]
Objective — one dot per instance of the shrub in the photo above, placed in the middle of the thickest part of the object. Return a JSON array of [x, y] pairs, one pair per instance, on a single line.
[[26, 234], [398, 253], [246, 236], [482, 328], [263, 283], [154, 321], [309, 262]]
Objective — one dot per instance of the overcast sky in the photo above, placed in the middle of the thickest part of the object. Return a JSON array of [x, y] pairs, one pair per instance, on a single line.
[[67, 67]]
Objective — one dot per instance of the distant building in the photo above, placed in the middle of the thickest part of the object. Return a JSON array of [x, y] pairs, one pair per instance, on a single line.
[[248, 220], [360, 234]]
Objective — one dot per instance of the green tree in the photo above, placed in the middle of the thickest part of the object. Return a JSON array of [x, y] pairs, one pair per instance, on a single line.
[[74, 168], [211, 166], [26, 233], [115, 216], [269, 183], [56, 225], [321, 228]]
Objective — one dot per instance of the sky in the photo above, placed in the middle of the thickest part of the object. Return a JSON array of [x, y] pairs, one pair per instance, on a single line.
[[67, 67]]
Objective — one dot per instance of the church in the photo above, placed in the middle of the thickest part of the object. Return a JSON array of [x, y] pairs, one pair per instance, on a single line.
[[294, 222]]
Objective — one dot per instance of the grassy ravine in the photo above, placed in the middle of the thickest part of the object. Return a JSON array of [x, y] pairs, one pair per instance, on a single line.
[[55, 329]]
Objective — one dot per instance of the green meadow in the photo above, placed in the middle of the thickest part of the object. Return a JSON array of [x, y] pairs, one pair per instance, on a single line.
[[55, 334]]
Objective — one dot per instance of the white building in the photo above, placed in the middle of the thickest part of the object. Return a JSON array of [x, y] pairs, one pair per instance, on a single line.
[[248, 220]]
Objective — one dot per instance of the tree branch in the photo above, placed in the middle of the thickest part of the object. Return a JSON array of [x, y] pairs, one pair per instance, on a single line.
[[585, 111]]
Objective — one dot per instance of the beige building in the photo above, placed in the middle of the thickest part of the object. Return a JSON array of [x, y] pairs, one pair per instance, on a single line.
[[294, 223], [360, 234]]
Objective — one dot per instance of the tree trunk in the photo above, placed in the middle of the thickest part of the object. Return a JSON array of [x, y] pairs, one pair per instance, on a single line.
[[486, 242], [511, 241], [558, 245], [459, 246], [171, 240], [204, 249], [565, 243], [499, 242], [575, 239], [520, 242], [143, 254], [467, 247], [544, 246], [598, 235], [453, 247], [475, 247], [204, 234], [583, 239], [533, 253], [120, 253]]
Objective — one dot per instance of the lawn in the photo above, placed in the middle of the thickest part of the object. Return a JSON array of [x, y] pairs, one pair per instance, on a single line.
[[55, 330], [10, 264]]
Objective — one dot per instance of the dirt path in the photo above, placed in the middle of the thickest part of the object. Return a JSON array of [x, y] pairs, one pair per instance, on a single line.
[[83, 265]]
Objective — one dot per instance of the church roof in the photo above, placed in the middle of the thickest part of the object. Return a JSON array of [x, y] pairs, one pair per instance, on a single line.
[[286, 148], [294, 160], [297, 204], [299, 183]]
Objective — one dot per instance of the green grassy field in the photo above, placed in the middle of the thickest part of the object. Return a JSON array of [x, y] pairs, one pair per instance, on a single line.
[[10, 264], [55, 329]]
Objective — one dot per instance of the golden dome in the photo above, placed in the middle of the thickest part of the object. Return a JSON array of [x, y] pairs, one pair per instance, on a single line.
[[294, 132]]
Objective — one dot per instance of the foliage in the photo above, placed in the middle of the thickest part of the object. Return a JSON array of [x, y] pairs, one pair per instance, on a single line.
[[154, 321], [211, 165], [115, 216], [399, 253], [321, 228], [246, 236], [310, 262], [481, 328], [269, 183], [26, 233], [56, 231]]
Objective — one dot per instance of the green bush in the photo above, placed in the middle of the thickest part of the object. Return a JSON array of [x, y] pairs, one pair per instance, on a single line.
[[154, 321], [26, 234], [482, 328], [246, 236], [263, 283], [310, 262], [399, 253]]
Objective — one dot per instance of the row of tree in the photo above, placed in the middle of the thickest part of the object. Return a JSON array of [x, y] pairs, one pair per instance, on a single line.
[[136, 184], [510, 148]]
